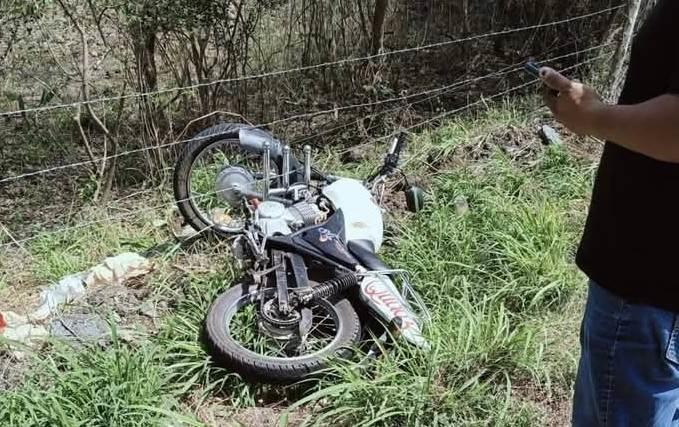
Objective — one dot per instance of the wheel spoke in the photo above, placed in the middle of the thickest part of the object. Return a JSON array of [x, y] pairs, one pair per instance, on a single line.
[[318, 325], [248, 329], [207, 189]]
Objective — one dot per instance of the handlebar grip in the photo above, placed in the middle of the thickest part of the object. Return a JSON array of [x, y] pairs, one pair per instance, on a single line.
[[394, 156]]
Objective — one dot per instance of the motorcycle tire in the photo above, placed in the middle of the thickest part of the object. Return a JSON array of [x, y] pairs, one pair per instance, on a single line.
[[228, 352], [224, 132]]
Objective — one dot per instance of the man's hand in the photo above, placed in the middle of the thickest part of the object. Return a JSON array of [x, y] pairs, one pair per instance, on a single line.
[[576, 106], [650, 128]]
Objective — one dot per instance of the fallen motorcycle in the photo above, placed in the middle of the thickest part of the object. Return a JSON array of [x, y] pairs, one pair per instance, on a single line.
[[309, 240]]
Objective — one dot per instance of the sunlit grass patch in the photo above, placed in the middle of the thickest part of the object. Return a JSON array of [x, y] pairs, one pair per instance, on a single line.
[[119, 386], [72, 249]]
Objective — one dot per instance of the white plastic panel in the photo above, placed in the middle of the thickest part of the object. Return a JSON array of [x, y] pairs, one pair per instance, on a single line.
[[362, 216]]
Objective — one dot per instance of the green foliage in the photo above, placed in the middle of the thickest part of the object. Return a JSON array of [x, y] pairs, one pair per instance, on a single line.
[[168, 15], [515, 242], [188, 359], [182, 15], [22, 10], [499, 281], [121, 386], [486, 275], [464, 380], [73, 250]]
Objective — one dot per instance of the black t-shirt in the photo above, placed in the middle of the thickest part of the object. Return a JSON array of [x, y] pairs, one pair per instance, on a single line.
[[631, 240]]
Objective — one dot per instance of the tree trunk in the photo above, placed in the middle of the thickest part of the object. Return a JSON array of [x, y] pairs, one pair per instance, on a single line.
[[616, 77], [145, 58], [378, 25]]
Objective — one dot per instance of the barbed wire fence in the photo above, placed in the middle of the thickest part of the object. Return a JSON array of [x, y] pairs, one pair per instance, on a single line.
[[430, 95], [317, 66], [408, 101]]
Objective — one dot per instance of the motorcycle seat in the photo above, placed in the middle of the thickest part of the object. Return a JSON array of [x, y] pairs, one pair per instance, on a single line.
[[364, 252]]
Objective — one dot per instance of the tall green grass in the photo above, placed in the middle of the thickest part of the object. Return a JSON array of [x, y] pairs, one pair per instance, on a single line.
[[489, 276], [77, 248], [515, 244], [499, 280], [119, 386]]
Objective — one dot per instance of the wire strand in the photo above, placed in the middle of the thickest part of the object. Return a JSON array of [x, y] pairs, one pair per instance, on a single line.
[[315, 66], [506, 70], [446, 89], [438, 91], [498, 95], [174, 202]]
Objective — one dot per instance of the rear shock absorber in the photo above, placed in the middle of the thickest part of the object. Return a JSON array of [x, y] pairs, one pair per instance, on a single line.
[[330, 288]]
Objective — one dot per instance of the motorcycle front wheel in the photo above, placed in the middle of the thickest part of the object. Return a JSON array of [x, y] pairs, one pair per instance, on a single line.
[[242, 339]]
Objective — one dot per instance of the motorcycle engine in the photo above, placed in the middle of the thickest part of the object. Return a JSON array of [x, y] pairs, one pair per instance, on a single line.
[[274, 218]]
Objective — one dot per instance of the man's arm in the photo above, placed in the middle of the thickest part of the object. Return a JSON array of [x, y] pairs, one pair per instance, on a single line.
[[650, 128]]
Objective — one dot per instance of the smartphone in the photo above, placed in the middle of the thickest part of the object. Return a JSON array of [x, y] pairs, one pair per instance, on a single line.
[[533, 68]]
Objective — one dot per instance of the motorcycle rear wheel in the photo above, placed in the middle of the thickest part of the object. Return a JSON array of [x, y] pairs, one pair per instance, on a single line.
[[214, 151], [228, 349]]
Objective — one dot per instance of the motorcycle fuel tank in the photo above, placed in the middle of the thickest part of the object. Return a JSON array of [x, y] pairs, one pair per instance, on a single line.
[[362, 216]]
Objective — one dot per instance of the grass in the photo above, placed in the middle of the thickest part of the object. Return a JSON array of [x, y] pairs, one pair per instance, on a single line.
[[59, 254], [120, 386], [498, 278], [515, 239], [487, 275]]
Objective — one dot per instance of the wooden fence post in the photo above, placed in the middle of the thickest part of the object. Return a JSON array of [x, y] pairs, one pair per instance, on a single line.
[[616, 77]]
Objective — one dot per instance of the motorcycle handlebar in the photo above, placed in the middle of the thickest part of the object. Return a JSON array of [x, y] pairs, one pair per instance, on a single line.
[[398, 144], [393, 158]]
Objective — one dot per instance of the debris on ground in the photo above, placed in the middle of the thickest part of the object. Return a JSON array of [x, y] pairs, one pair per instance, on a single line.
[[219, 216], [80, 328], [461, 205], [16, 328], [216, 413], [12, 370], [549, 135], [110, 274], [148, 309], [181, 230], [118, 269], [117, 298], [66, 291]]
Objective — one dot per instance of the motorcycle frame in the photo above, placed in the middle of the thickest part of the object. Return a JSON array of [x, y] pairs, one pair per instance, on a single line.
[[384, 299]]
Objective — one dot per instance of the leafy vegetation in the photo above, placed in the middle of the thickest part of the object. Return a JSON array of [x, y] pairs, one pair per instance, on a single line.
[[120, 386], [491, 254]]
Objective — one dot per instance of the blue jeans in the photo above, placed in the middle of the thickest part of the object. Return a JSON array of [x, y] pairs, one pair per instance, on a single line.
[[629, 364]]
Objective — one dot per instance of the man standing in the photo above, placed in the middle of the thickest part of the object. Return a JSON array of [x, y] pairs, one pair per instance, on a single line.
[[628, 373]]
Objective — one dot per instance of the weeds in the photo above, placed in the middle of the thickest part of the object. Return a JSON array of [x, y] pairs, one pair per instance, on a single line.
[[120, 386], [188, 359], [514, 243], [486, 275], [498, 278], [62, 253]]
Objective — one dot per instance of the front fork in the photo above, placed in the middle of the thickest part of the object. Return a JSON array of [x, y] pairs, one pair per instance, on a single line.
[[377, 290]]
